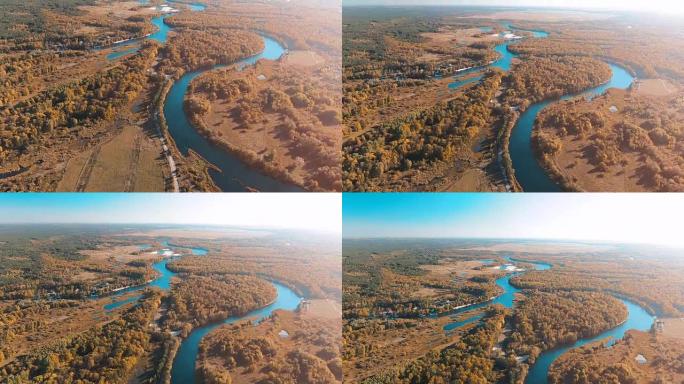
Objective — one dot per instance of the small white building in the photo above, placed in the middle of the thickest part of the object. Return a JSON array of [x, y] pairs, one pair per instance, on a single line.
[[640, 359], [613, 108], [283, 333]]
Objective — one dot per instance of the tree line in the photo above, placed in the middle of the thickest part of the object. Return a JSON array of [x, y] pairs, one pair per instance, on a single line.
[[545, 320], [199, 300], [58, 112], [104, 353], [419, 140], [540, 78]]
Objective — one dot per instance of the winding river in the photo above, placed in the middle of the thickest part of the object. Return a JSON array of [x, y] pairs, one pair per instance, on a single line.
[[529, 173], [232, 173], [163, 281], [183, 371], [507, 298], [637, 319], [531, 176]]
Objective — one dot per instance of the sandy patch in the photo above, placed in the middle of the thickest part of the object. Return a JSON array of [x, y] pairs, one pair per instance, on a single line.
[[655, 87], [471, 180], [121, 253], [674, 327], [119, 9], [303, 58], [323, 308], [457, 36], [460, 268]]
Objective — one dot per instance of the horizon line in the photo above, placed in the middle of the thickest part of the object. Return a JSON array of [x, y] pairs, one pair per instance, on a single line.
[[590, 241], [596, 9]]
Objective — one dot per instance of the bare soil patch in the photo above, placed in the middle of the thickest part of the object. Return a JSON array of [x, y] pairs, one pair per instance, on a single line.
[[119, 253], [303, 58], [323, 308], [673, 327], [655, 87]]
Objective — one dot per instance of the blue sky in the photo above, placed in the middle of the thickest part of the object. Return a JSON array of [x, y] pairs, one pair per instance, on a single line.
[[634, 218], [315, 211], [661, 6]]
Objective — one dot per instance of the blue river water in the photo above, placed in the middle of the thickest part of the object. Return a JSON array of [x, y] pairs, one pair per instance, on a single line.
[[234, 175], [529, 173], [507, 298], [163, 281], [183, 370], [503, 62], [160, 35], [637, 319], [197, 7], [531, 176]]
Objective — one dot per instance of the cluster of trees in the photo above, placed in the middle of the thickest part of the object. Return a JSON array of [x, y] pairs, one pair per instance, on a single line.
[[18, 73], [395, 301], [306, 106], [645, 51], [58, 25], [651, 284], [555, 47], [199, 300], [190, 49], [393, 47], [309, 354], [360, 99], [55, 112], [583, 373], [545, 320], [105, 353], [386, 54], [420, 139], [50, 267], [540, 78], [648, 127], [220, 85], [384, 286], [466, 361], [23, 317], [597, 363], [317, 277]]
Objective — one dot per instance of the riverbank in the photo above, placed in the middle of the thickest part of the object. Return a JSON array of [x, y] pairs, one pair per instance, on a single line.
[[637, 319], [629, 149], [528, 171], [545, 160], [660, 358], [194, 168], [183, 370], [234, 174], [287, 341], [279, 116], [248, 157]]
